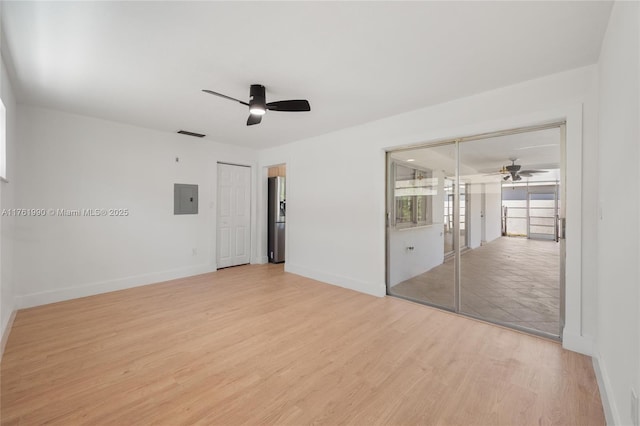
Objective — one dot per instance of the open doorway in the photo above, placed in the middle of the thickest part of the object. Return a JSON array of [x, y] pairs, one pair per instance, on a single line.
[[276, 213], [492, 247], [449, 208]]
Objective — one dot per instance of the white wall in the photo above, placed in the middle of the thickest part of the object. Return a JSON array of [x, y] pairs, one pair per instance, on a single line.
[[493, 211], [474, 215], [7, 191], [336, 228], [427, 242], [73, 162], [428, 252], [618, 289]]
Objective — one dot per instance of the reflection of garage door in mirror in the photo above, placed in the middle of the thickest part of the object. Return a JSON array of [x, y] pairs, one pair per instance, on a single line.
[[497, 219]]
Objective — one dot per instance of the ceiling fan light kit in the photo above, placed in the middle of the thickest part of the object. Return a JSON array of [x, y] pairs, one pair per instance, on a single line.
[[257, 100], [258, 105]]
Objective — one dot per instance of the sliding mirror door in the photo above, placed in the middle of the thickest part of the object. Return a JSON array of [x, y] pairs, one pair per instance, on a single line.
[[473, 227], [510, 273], [423, 225]]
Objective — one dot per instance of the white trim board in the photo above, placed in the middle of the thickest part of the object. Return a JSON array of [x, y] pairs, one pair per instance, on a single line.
[[336, 280], [46, 297]]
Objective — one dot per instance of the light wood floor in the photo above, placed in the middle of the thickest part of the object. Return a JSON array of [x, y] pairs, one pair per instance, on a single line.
[[255, 345]]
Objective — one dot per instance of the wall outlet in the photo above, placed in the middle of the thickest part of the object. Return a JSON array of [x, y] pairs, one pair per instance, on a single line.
[[635, 408], [600, 210]]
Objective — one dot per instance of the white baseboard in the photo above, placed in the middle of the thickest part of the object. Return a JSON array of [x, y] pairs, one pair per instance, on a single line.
[[345, 282], [611, 414], [59, 295], [6, 332], [577, 343]]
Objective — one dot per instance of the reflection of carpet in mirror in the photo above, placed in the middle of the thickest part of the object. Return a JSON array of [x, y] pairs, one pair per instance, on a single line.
[[509, 280]]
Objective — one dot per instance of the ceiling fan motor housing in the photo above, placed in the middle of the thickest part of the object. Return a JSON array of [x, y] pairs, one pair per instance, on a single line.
[[258, 105], [257, 98]]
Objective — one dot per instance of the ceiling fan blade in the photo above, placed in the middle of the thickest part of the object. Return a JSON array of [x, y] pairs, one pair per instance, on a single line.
[[211, 92], [506, 177], [525, 174], [254, 119], [291, 106], [532, 171]]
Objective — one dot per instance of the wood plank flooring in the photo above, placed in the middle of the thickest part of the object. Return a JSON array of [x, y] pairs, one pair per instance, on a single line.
[[255, 345]]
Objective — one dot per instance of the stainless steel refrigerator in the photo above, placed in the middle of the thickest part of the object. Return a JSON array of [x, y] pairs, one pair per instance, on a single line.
[[277, 208]]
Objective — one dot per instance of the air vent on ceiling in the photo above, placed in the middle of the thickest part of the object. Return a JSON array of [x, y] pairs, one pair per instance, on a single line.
[[186, 132]]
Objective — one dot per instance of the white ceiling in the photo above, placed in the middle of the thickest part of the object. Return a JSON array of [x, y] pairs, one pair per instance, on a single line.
[[145, 63]]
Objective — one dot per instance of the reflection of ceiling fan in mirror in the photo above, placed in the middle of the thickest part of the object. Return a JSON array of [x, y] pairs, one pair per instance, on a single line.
[[514, 173]]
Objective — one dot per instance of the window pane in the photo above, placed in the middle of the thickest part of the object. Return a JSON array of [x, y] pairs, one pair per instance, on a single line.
[[404, 209], [413, 191]]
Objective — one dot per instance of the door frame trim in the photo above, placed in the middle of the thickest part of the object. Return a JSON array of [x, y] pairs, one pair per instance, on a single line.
[[232, 164]]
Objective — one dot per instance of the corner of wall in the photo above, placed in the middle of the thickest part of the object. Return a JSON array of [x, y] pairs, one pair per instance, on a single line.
[[7, 199], [6, 331], [611, 414], [577, 343]]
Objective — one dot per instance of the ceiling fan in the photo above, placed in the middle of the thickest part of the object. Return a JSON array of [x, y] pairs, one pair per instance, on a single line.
[[514, 173], [258, 105]]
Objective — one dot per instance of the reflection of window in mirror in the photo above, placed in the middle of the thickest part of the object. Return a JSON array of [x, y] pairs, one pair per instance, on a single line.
[[414, 189]]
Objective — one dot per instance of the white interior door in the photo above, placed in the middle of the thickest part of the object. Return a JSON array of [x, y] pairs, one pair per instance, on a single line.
[[233, 215]]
